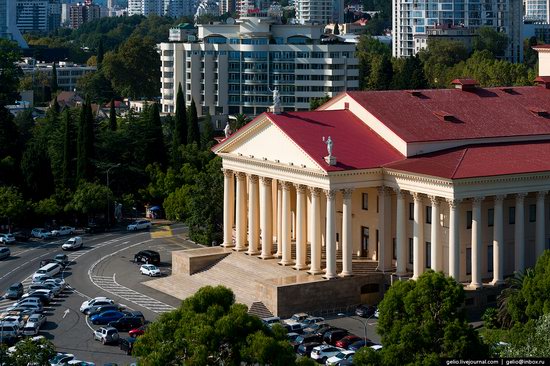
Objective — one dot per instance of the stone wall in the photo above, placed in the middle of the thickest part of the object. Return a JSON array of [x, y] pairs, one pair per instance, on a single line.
[[194, 260]]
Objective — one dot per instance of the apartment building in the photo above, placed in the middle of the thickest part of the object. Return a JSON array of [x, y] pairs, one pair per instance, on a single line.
[[413, 17], [81, 13], [234, 67], [537, 11], [8, 24], [32, 15], [68, 73], [321, 11]]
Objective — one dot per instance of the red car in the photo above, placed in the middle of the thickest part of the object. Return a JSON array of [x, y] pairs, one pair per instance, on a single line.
[[347, 340], [136, 332]]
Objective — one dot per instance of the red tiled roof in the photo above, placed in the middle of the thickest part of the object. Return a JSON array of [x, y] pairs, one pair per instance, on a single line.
[[356, 146], [480, 160], [541, 46], [478, 113], [471, 82]]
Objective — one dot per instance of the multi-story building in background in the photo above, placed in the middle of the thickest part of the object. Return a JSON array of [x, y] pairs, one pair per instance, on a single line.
[[172, 8], [8, 24], [537, 10], [319, 11], [226, 6], [234, 67], [413, 17], [54, 15], [68, 73], [81, 13], [32, 15]]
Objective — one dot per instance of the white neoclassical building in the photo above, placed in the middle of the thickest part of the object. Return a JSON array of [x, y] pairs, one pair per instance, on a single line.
[[454, 180]]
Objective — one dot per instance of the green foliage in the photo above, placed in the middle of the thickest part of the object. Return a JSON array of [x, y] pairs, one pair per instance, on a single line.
[[54, 87], [69, 150], [210, 329], [47, 208], [408, 74], [193, 132], [421, 321], [368, 50], [90, 198], [240, 121], [96, 86], [490, 318], [491, 40], [530, 56], [366, 356], [381, 73], [13, 204], [85, 143], [179, 131], [112, 116], [438, 57], [9, 77], [530, 340], [207, 133], [315, 103], [29, 352]]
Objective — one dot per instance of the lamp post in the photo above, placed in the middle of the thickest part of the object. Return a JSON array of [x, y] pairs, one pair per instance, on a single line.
[[364, 323], [108, 208]]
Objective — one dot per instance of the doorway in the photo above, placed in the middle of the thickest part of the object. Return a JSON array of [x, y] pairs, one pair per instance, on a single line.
[[364, 241]]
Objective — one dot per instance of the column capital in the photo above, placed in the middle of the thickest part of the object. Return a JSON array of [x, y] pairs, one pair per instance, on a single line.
[[453, 202], [286, 186], [347, 193], [417, 196], [520, 196], [266, 181], [381, 190], [330, 193], [477, 200], [300, 188], [542, 194], [252, 178], [315, 191], [499, 198], [240, 175], [400, 193], [227, 172], [435, 200]]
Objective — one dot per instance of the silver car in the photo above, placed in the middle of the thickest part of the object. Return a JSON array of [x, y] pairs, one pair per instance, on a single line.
[[106, 335]]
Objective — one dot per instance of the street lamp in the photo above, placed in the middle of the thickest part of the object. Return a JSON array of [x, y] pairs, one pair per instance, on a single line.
[[364, 323], [108, 208]]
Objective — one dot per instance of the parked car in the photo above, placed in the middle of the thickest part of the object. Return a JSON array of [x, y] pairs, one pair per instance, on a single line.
[[63, 230], [150, 270], [359, 344], [4, 252], [37, 318], [293, 327], [86, 305], [41, 233], [80, 363], [15, 291], [296, 318], [334, 335], [73, 243], [305, 348], [45, 296], [46, 261], [106, 335], [98, 309], [28, 300], [94, 228], [306, 338], [56, 281], [9, 331], [50, 269], [61, 359], [336, 359], [106, 317], [126, 323], [136, 332], [271, 320], [139, 225], [147, 257], [323, 352], [292, 336], [15, 319], [22, 235], [135, 314], [7, 239], [127, 344], [53, 287], [318, 328], [312, 320], [365, 311], [62, 259], [31, 329], [346, 341]]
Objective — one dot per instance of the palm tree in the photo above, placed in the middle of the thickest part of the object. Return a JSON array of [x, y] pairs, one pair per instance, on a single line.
[[509, 297]]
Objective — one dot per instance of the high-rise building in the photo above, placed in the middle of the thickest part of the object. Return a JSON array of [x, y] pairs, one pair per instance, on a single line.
[[226, 6], [8, 25], [320, 11], [81, 13], [54, 15], [234, 67], [537, 10], [145, 7], [413, 17], [32, 15]]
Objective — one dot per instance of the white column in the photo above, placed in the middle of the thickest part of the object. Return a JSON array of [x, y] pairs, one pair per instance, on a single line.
[[541, 220], [330, 271], [228, 202], [384, 256], [519, 237], [241, 213], [266, 221], [279, 220], [418, 236], [300, 227], [285, 226], [401, 234], [436, 247], [253, 224], [498, 242], [454, 238], [315, 265], [476, 243], [347, 239]]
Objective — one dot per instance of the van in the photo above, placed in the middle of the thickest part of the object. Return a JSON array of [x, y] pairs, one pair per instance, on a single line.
[[50, 269]]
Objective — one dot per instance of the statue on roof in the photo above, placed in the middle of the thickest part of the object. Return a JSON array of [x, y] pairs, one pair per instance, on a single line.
[[276, 97], [329, 144], [227, 130]]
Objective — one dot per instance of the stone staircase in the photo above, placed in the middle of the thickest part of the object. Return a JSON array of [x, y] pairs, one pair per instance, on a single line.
[[260, 310]]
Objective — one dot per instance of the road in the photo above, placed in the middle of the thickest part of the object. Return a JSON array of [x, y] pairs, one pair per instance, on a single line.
[[102, 267]]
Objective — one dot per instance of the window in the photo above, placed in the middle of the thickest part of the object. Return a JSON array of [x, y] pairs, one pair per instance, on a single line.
[[428, 214], [411, 251], [365, 201], [411, 211], [469, 261], [491, 217], [377, 204], [532, 213], [468, 219], [394, 256], [490, 258], [428, 254], [511, 215]]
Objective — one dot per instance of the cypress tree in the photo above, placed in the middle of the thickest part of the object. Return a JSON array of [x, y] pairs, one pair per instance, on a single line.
[[207, 134], [90, 140], [67, 148], [336, 29], [55, 106], [179, 132], [81, 159], [157, 136], [54, 87], [193, 134], [100, 53], [112, 116]]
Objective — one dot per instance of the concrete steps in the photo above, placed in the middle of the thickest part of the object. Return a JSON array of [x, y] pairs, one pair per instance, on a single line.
[[260, 310]]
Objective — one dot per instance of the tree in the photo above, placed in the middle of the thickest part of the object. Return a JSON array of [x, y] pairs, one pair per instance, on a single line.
[[47, 207], [336, 29], [96, 86], [381, 73], [13, 205], [179, 134], [315, 103], [409, 74], [54, 87], [367, 49], [438, 57], [421, 321], [193, 133], [85, 142], [9, 77], [530, 340], [90, 198], [32, 352], [100, 53], [207, 134], [68, 149], [489, 39], [209, 328], [241, 120], [530, 56], [112, 116], [154, 128]]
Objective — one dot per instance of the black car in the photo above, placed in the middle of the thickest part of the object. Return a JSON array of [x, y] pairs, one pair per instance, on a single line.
[[22, 235], [93, 228], [334, 335], [148, 257], [306, 338], [365, 311], [15, 291], [305, 348], [127, 323], [127, 344]]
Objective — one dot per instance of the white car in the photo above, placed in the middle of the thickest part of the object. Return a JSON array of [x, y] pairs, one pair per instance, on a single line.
[[56, 281], [80, 363], [335, 360], [101, 300], [323, 352], [31, 329], [73, 243], [63, 230], [7, 238], [44, 292], [139, 225], [40, 233], [150, 270], [13, 319], [61, 359], [37, 318]]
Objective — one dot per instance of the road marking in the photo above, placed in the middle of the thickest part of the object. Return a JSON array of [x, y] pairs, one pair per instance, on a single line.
[[65, 313], [162, 232]]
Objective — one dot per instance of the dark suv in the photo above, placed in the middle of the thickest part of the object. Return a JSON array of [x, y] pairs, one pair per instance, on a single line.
[[147, 256], [334, 335], [127, 323], [15, 291]]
